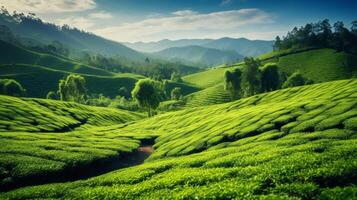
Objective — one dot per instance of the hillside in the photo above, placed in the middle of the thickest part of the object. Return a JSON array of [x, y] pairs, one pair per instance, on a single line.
[[319, 65], [199, 56], [12, 54], [39, 80], [296, 143], [65, 139], [37, 31]]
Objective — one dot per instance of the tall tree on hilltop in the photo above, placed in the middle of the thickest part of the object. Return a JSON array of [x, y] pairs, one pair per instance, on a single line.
[[232, 82], [148, 93], [270, 77], [251, 77], [73, 88]]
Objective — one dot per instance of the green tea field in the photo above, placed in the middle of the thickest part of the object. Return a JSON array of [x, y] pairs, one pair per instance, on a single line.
[[277, 145]]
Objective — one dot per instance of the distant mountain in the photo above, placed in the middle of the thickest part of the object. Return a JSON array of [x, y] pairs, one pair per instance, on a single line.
[[242, 46], [164, 44], [33, 30], [199, 56]]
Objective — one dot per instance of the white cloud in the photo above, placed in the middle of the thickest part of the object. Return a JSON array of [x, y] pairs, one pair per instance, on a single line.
[[82, 23], [187, 25], [226, 2], [101, 15], [48, 6], [184, 12]]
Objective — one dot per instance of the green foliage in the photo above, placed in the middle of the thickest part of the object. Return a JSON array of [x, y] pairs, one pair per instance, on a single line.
[[176, 93], [320, 35], [176, 77], [296, 79], [73, 88], [51, 95], [270, 78], [11, 87], [232, 82], [148, 94], [251, 77]]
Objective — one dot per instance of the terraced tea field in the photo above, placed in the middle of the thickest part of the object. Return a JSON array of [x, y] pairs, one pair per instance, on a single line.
[[296, 143], [42, 140]]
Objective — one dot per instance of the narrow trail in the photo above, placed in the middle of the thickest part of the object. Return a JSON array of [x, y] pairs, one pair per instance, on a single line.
[[97, 168]]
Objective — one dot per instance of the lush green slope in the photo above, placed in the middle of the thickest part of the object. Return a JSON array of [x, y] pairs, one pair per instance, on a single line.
[[209, 96], [37, 31], [42, 140], [38, 80], [11, 54], [208, 78], [296, 143], [319, 65], [211, 82]]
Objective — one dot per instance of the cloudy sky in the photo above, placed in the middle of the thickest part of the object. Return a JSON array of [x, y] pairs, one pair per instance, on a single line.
[[152, 20]]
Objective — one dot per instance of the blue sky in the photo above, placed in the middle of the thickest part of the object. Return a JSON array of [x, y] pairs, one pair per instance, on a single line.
[[152, 20]]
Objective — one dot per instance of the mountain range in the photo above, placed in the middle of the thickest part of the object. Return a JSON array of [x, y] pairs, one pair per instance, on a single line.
[[242, 46]]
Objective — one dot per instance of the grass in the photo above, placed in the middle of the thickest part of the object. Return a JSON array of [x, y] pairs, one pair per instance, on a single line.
[[209, 96], [277, 145], [319, 65], [205, 79], [12, 54], [39, 80]]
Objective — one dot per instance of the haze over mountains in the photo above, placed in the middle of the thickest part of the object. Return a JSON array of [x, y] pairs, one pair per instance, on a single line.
[[198, 55], [32, 31], [242, 46]]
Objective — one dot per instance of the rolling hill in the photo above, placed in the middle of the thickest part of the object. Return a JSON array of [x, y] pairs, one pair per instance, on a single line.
[[296, 143], [319, 65], [39, 80], [34, 30], [198, 56]]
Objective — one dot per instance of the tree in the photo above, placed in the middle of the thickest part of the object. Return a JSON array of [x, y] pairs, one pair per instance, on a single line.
[[250, 77], [296, 79], [341, 36], [51, 95], [176, 77], [11, 87], [277, 44], [148, 93], [73, 88], [232, 82], [176, 93], [354, 27], [270, 77]]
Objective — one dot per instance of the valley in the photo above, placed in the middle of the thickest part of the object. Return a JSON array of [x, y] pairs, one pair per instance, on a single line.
[[216, 117]]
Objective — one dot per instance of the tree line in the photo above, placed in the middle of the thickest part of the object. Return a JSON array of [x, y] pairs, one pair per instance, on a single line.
[[320, 35], [255, 78]]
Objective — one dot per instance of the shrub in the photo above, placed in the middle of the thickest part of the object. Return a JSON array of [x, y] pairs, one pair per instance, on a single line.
[[11, 87], [296, 79], [176, 93]]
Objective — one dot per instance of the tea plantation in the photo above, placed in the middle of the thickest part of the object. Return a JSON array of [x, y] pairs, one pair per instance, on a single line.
[[41, 140], [296, 143]]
